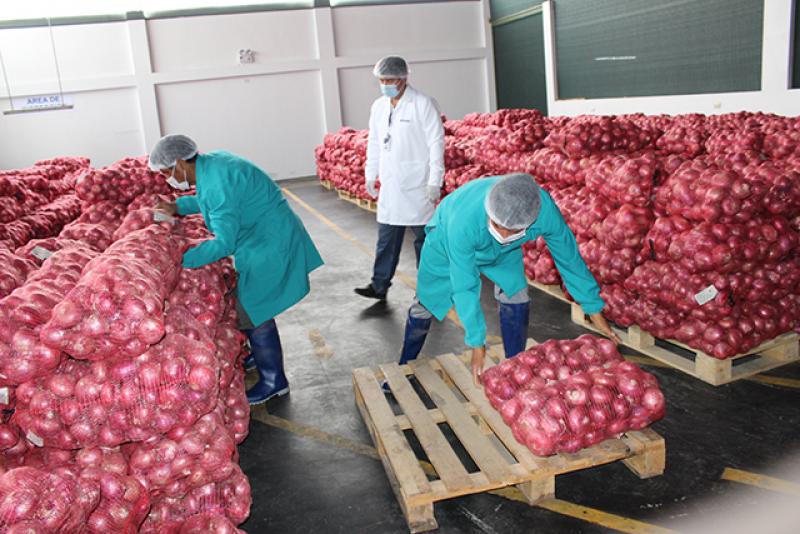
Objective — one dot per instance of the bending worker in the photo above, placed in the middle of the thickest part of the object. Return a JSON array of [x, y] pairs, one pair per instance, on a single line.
[[406, 149], [251, 221], [479, 230]]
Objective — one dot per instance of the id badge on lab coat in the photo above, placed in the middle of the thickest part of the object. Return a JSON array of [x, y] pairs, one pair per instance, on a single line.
[[387, 143]]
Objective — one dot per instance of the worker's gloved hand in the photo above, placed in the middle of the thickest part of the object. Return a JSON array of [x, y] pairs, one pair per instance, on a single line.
[[434, 193], [372, 189]]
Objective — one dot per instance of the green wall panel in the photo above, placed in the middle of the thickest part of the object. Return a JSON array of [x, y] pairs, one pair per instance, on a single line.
[[519, 64], [617, 48]]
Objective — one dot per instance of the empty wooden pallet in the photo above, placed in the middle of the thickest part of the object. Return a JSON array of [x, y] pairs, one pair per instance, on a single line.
[[479, 429], [776, 352]]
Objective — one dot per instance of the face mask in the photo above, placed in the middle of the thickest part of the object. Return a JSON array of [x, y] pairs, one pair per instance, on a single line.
[[390, 90], [505, 240], [175, 184]]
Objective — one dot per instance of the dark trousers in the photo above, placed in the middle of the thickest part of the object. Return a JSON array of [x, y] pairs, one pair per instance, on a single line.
[[387, 254]]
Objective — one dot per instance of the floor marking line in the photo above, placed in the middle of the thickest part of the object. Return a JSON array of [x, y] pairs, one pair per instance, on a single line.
[[599, 517], [316, 434], [590, 515], [776, 381], [760, 481]]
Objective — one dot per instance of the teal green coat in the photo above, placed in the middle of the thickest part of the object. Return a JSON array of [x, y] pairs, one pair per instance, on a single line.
[[252, 222], [459, 249]]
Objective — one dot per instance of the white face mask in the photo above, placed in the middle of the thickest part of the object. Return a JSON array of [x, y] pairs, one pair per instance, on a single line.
[[175, 184], [504, 240]]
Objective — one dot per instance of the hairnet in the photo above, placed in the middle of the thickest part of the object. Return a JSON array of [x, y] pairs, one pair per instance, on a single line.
[[169, 149], [391, 67], [513, 202]]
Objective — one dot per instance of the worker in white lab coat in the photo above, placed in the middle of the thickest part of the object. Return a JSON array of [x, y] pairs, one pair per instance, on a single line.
[[406, 150]]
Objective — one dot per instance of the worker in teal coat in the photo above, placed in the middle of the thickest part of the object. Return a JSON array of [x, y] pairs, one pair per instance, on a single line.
[[252, 222], [479, 230]]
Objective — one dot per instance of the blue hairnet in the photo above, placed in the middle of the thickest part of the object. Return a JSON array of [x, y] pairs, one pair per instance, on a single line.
[[391, 67], [514, 202], [169, 149]]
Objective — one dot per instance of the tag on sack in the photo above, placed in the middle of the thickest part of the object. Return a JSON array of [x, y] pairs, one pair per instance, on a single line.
[[3, 395], [160, 216], [33, 438], [40, 253], [706, 295]]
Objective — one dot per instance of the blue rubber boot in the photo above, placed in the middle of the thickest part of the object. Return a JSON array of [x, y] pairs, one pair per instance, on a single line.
[[250, 362], [266, 350], [416, 332], [514, 326]]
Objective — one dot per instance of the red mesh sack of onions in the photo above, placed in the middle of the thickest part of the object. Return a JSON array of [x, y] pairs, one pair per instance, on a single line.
[[38, 250], [209, 523], [586, 135], [725, 248], [141, 218], [184, 459], [683, 140], [701, 192], [23, 356], [33, 500], [14, 270], [103, 212], [123, 506], [623, 179], [230, 498], [724, 140], [121, 182], [228, 340], [18, 232], [234, 408], [107, 403], [545, 362], [608, 265], [97, 236], [539, 264], [13, 447], [584, 409], [201, 291], [117, 308], [782, 144], [148, 200]]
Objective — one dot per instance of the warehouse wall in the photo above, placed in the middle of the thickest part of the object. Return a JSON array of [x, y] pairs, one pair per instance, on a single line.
[[775, 95], [133, 81]]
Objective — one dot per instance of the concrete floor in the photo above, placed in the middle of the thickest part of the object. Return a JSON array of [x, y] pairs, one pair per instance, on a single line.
[[310, 459]]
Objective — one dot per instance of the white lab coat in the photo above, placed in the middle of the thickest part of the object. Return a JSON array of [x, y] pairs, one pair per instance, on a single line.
[[412, 159]]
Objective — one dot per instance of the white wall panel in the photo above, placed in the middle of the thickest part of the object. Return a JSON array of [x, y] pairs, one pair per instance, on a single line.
[[104, 126], [380, 30], [460, 87], [84, 52], [273, 120], [214, 41]]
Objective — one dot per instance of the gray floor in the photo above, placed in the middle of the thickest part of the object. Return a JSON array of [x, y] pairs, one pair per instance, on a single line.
[[309, 455]]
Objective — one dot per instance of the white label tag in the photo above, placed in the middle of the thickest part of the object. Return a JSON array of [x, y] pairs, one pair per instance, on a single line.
[[3, 395], [706, 295], [40, 253], [160, 216], [33, 438]]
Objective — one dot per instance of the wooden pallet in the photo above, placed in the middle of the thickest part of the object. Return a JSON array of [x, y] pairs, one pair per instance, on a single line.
[[326, 184], [369, 205], [776, 352], [481, 431]]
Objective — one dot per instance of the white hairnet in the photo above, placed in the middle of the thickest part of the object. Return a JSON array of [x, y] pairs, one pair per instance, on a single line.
[[390, 67], [169, 149], [514, 202]]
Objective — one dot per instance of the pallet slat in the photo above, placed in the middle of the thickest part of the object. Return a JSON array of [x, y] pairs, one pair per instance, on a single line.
[[447, 465], [463, 379], [410, 475], [492, 464]]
